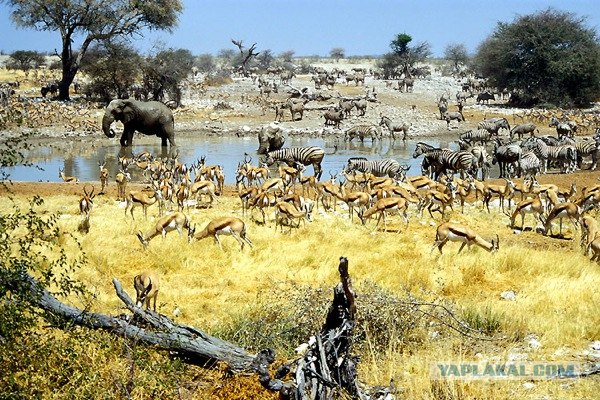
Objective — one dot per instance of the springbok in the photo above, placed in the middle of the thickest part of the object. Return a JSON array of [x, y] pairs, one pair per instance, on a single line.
[[222, 226], [450, 231], [146, 287]]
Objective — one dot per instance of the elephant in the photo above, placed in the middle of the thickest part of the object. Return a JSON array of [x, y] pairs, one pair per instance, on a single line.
[[270, 138], [147, 117]]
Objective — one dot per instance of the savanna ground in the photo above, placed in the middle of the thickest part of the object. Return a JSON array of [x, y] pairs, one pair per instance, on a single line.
[[276, 293]]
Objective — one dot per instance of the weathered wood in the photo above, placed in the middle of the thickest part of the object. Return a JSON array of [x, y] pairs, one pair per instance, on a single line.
[[327, 366], [186, 341]]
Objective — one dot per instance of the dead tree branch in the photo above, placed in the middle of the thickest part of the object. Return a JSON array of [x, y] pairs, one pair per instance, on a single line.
[[186, 341]]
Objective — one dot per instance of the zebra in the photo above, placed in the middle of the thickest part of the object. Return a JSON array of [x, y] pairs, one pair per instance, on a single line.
[[298, 155], [505, 155], [523, 129], [362, 131], [565, 154], [439, 160], [493, 125], [481, 159], [385, 167], [480, 135], [453, 115], [393, 128], [563, 128], [528, 166], [584, 148]]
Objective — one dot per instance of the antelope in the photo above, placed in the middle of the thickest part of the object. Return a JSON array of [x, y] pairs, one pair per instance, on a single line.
[[203, 188], [288, 212], [464, 191], [262, 200], [103, 177], [273, 185], [176, 221], [245, 195], [528, 206], [501, 191], [308, 182], [122, 178], [522, 188], [594, 247], [288, 175], [589, 231], [65, 178], [86, 202], [141, 198], [222, 226], [259, 174], [436, 197], [567, 194], [361, 200], [182, 194], [563, 210], [146, 287], [328, 189], [450, 231], [383, 206]]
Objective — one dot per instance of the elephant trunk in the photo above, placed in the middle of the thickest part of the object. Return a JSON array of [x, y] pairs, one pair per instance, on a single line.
[[263, 148], [107, 120]]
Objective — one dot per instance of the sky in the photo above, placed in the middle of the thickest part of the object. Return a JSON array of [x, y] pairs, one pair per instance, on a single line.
[[314, 27]]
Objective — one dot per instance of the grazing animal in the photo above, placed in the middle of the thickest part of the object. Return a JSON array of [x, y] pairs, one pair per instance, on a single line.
[[523, 129], [393, 128], [222, 226], [298, 155], [146, 287], [453, 232], [176, 221], [362, 131]]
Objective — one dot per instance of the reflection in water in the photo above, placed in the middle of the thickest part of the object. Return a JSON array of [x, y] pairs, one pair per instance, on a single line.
[[81, 158]]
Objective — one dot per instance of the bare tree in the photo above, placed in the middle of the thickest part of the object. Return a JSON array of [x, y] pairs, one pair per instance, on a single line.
[[246, 55], [457, 54]]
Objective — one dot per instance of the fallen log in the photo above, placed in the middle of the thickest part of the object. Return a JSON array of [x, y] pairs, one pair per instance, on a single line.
[[184, 341]]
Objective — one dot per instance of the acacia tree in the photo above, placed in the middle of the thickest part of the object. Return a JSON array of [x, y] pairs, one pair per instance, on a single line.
[[25, 60], [547, 57], [457, 54], [92, 21], [336, 53], [404, 57]]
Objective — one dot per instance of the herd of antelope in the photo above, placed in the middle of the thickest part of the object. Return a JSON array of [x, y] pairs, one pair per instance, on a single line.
[[286, 197]]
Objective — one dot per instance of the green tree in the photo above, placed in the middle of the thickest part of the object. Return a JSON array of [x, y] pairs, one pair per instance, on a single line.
[[404, 57], [336, 53], [287, 55], [25, 60], [205, 63], [92, 20], [113, 68], [547, 57], [457, 54], [164, 72], [265, 59]]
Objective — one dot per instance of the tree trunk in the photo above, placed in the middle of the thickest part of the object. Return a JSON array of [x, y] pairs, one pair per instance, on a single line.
[[186, 341]]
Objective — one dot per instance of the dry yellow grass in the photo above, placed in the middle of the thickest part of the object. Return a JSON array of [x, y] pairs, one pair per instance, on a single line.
[[556, 288]]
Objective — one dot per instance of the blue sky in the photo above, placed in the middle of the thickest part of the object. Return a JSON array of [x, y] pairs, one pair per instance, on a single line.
[[314, 27]]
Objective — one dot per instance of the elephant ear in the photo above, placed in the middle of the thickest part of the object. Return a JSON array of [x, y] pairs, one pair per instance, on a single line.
[[128, 112]]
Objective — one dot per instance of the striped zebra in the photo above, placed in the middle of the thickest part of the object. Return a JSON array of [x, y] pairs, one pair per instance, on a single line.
[[565, 155], [563, 128], [385, 167], [298, 155], [480, 135], [393, 128], [493, 125], [529, 166], [481, 158], [362, 131], [585, 148], [439, 161], [506, 155]]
